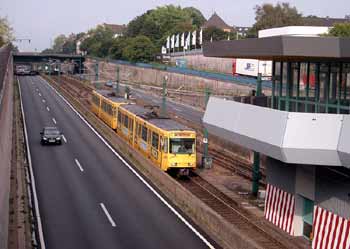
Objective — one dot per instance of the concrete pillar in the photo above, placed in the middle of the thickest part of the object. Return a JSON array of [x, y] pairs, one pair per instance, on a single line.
[[304, 188]]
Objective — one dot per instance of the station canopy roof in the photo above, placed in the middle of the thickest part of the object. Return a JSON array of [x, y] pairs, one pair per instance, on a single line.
[[282, 48]]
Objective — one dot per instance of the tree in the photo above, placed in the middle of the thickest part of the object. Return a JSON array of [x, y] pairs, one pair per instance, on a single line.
[[118, 45], [270, 16], [98, 42], [6, 31], [58, 43], [163, 21], [69, 47], [139, 49], [340, 30], [47, 51], [197, 17]]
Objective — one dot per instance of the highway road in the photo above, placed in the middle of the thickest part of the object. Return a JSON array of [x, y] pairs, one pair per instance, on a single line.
[[187, 112], [88, 197]]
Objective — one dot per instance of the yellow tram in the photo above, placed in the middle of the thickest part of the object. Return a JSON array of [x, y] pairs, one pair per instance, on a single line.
[[169, 144]]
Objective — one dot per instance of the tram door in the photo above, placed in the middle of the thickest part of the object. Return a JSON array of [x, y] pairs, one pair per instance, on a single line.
[[308, 214]]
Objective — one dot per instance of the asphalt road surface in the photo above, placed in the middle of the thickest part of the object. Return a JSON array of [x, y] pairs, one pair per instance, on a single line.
[[88, 197]]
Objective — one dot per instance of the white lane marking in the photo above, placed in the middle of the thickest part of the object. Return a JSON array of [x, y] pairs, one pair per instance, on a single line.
[[108, 215], [54, 121], [177, 109], [43, 100], [40, 94], [35, 196], [79, 165], [47, 108], [172, 209], [37, 90], [64, 139]]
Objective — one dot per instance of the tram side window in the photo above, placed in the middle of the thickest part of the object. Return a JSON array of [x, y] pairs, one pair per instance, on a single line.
[[103, 106], [110, 112], [119, 117], [144, 133], [95, 99], [126, 121], [165, 145], [131, 125], [155, 140]]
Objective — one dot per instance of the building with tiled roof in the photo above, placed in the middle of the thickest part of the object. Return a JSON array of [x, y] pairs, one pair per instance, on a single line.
[[323, 21], [216, 21], [117, 29]]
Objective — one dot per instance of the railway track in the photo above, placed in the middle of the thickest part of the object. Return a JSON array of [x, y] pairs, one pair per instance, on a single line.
[[232, 212], [222, 204], [221, 157]]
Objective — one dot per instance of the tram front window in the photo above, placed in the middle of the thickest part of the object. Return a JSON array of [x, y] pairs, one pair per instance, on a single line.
[[182, 145]]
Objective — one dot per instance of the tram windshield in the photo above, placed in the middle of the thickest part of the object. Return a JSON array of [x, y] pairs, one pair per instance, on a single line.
[[182, 145]]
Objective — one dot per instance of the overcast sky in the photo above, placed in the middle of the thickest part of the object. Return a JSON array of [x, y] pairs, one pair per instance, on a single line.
[[42, 20]]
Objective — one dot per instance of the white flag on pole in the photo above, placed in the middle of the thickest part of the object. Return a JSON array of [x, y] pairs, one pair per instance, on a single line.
[[188, 41], [201, 37], [177, 42], [183, 40], [173, 41], [163, 50], [168, 42], [194, 38]]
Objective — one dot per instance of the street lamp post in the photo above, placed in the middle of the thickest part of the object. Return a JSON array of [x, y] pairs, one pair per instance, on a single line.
[[59, 72], [96, 72], [256, 157], [163, 110], [206, 159], [117, 81]]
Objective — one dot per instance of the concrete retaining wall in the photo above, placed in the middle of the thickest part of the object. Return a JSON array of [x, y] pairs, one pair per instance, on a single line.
[[198, 61], [6, 115], [107, 71]]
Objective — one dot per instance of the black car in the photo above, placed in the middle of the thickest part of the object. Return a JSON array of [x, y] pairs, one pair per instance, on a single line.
[[51, 135]]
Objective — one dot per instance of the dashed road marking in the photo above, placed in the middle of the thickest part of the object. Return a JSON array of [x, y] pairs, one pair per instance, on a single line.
[[108, 215], [47, 108], [40, 94], [79, 165], [64, 139], [54, 121], [43, 100]]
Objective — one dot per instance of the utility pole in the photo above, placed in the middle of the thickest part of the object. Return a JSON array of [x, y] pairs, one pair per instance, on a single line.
[[50, 68], [256, 158], [206, 159], [80, 68], [96, 72], [163, 110], [117, 81], [59, 72]]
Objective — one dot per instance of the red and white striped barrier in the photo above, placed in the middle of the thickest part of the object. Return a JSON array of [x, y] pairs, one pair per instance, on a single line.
[[279, 208], [330, 230]]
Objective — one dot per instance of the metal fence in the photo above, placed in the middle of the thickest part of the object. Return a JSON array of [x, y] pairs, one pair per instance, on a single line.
[[241, 80]]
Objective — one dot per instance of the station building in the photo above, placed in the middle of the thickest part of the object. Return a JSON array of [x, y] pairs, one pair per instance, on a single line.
[[303, 129]]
